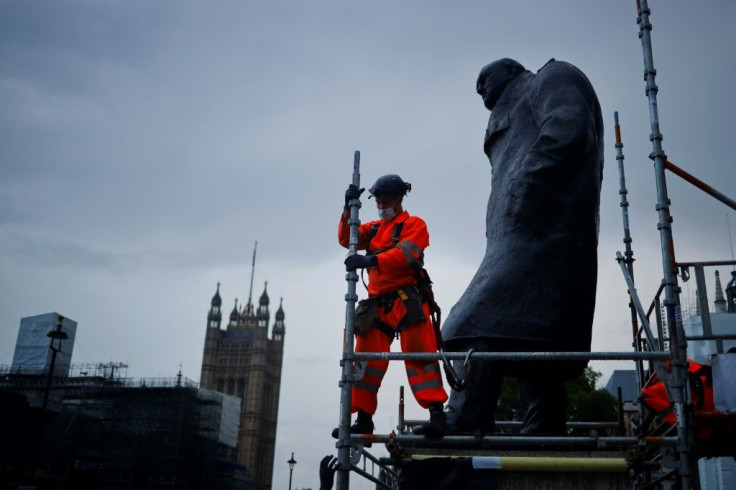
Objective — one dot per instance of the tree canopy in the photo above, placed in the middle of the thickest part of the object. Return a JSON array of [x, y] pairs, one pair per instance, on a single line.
[[585, 403]]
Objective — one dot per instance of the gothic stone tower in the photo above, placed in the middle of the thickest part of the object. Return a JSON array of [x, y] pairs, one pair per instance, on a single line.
[[241, 360]]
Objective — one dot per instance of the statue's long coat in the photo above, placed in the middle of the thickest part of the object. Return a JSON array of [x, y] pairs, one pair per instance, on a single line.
[[537, 281]]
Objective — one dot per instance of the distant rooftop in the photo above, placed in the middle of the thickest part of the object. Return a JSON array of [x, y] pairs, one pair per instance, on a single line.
[[626, 380]]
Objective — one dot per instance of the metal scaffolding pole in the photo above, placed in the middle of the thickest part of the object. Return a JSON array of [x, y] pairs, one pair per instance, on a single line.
[[628, 254], [513, 356], [688, 470], [703, 303], [473, 441], [348, 379], [545, 464], [623, 192], [634, 298], [699, 184]]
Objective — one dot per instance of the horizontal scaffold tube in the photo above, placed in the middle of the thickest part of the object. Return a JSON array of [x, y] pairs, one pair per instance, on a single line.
[[548, 464], [517, 424], [711, 337], [560, 442], [370, 477], [509, 424], [699, 184], [516, 356]]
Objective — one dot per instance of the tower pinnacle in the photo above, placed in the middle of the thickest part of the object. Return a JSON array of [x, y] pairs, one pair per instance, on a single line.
[[249, 306], [214, 317]]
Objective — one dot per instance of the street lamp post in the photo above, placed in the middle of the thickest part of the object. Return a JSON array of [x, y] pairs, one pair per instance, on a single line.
[[291, 462], [59, 336]]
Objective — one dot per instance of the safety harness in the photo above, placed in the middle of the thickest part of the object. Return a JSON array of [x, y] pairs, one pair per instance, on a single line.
[[387, 300], [425, 293]]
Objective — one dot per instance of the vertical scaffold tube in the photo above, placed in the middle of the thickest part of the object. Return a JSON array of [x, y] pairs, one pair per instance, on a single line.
[[677, 389], [628, 254], [347, 380]]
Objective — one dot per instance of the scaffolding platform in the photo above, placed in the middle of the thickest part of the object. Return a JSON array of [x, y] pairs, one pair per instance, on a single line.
[[665, 456], [525, 470]]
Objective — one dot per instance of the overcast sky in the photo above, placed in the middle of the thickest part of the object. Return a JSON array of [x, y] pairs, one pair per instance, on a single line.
[[145, 147]]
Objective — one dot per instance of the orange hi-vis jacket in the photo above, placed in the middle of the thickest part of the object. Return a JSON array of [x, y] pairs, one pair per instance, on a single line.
[[655, 397], [394, 268]]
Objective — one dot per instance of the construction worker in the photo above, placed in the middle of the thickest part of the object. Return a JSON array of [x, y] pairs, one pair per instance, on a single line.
[[713, 434], [394, 247]]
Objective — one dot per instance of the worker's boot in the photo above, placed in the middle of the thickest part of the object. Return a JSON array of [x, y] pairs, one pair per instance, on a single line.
[[436, 426], [363, 425]]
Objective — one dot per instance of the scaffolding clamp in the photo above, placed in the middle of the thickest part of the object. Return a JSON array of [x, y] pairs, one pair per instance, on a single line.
[[456, 382]]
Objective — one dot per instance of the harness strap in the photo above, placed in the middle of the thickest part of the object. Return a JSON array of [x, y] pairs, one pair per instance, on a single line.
[[372, 233], [387, 300], [374, 230], [395, 236], [397, 232], [390, 332], [383, 327]]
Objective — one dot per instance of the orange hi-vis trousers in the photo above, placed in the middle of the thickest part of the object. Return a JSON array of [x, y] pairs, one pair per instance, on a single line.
[[425, 377]]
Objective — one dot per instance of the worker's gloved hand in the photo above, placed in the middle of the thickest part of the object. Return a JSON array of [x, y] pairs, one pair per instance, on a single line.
[[352, 193], [327, 468], [360, 262]]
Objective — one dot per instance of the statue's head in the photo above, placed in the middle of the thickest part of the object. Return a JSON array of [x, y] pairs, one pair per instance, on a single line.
[[493, 79]]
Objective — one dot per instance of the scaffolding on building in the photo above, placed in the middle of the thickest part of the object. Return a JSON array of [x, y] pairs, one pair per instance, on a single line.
[[119, 432], [664, 457]]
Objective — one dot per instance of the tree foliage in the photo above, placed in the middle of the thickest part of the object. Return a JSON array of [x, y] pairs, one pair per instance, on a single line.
[[585, 403]]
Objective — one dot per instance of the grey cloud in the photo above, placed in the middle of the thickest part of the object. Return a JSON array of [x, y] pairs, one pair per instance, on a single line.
[[146, 146]]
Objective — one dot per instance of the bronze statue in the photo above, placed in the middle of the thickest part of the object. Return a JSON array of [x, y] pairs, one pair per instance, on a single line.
[[535, 288]]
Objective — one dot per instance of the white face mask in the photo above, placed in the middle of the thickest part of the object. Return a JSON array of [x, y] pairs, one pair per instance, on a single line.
[[386, 214]]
